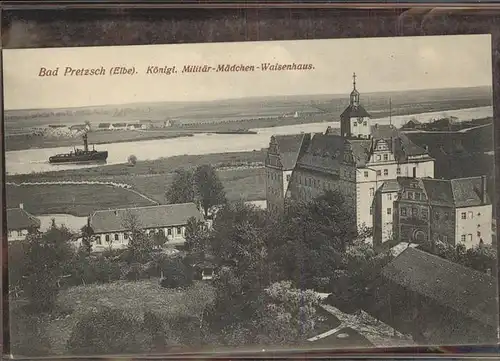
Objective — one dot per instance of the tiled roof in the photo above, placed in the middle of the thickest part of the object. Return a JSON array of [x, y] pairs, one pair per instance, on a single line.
[[463, 289], [390, 185], [289, 148], [355, 111], [403, 143], [324, 153], [361, 150], [18, 219], [149, 217], [460, 192], [468, 191]]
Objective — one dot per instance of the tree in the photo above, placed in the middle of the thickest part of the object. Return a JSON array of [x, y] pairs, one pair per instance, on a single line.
[[197, 239], [47, 256], [140, 244], [482, 258], [182, 189], [132, 160], [159, 239], [87, 235], [209, 188], [286, 315]]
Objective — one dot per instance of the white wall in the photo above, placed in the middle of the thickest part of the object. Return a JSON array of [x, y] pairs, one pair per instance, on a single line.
[[17, 235], [477, 219]]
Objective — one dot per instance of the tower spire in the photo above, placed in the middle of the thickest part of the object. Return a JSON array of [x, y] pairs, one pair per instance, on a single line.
[[354, 80]]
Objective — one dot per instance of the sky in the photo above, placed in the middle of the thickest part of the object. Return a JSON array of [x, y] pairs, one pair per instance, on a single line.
[[381, 64]]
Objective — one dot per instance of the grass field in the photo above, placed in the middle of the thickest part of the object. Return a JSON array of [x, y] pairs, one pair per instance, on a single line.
[[132, 297], [77, 200]]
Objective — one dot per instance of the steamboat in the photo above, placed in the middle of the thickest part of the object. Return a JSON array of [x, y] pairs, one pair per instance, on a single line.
[[81, 155]]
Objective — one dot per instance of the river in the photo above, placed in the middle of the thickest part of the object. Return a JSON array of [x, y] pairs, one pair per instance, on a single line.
[[35, 160]]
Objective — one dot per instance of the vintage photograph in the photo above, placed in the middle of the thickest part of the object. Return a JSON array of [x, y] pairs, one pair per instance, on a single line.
[[252, 195]]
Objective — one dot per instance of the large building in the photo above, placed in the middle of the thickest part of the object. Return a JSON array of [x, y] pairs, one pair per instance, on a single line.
[[456, 211], [357, 162], [111, 230], [19, 223]]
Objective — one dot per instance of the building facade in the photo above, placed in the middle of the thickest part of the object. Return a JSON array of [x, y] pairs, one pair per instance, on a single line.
[[357, 162], [111, 230], [19, 223], [455, 211]]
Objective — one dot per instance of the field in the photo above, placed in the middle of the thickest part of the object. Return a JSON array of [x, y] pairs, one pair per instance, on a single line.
[[77, 200], [132, 297], [150, 178], [229, 115]]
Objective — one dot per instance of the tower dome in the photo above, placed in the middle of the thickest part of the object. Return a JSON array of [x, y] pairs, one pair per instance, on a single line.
[[354, 98]]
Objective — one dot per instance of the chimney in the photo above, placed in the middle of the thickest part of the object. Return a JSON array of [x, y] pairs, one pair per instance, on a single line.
[[21, 205], [484, 189]]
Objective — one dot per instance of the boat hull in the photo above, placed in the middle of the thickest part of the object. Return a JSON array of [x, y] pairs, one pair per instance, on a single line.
[[80, 158]]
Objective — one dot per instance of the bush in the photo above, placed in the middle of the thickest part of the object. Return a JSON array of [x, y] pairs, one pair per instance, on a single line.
[[176, 274], [132, 160], [108, 331], [28, 336]]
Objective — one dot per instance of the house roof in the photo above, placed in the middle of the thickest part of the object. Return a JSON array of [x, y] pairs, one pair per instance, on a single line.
[[18, 218], [403, 144], [469, 292], [119, 124], [289, 147], [391, 185], [324, 153], [78, 126], [111, 220], [355, 111], [104, 125], [460, 192], [361, 150]]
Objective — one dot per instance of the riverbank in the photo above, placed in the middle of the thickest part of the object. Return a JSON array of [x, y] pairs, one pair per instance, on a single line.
[[325, 113]]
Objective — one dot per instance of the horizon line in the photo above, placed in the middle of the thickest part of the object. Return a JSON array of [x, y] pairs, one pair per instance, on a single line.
[[336, 95]]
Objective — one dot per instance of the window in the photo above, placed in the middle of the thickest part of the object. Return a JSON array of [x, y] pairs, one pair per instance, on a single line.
[[366, 174], [117, 237], [179, 230], [372, 190], [125, 235], [108, 238], [355, 123], [462, 238], [410, 195], [379, 173], [288, 178], [364, 123], [389, 211], [98, 240], [470, 215], [169, 231], [371, 211], [414, 212], [464, 215], [386, 156], [389, 196], [378, 157], [445, 238], [386, 172], [403, 211], [398, 170], [425, 214], [10, 233], [417, 196], [19, 233], [469, 237]]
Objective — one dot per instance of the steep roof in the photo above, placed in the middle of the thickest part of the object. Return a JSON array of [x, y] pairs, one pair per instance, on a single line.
[[460, 192], [361, 149], [324, 153], [355, 111], [391, 185], [462, 289], [149, 217], [289, 148], [389, 132], [18, 219]]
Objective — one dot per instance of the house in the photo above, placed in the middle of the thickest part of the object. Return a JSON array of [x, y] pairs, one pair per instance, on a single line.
[[133, 126], [457, 211], [357, 162], [119, 126], [412, 124], [146, 124], [435, 300], [110, 230], [280, 162], [19, 222], [104, 126]]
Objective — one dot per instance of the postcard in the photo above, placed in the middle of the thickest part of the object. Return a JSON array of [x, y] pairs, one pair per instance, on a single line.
[[325, 194]]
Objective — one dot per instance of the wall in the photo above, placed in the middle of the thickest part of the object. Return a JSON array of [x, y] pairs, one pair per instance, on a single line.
[[274, 189], [363, 129], [406, 224], [476, 226], [442, 220], [121, 241]]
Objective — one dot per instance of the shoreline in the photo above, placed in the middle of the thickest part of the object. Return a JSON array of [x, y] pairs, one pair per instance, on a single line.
[[243, 127]]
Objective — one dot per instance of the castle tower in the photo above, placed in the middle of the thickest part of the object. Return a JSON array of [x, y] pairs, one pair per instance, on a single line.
[[355, 121]]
